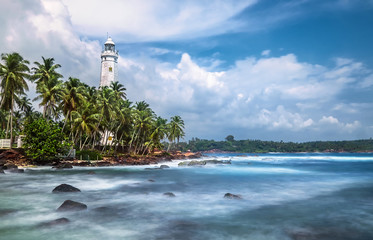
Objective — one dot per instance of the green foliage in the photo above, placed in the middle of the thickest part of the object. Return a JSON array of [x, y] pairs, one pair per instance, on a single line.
[[44, 140], [88, 155], [230, 138], [258, 146]]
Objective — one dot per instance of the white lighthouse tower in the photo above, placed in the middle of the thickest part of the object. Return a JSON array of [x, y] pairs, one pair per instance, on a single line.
[[109, 62]]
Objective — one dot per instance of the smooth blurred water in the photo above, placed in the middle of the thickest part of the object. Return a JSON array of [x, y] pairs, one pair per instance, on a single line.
[[285, 196]]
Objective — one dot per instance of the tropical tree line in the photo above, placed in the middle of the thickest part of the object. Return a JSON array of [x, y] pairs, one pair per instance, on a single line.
[[258, 146], [89, 117]]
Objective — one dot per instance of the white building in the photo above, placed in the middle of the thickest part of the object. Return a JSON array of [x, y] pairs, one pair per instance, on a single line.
[[109, 64]]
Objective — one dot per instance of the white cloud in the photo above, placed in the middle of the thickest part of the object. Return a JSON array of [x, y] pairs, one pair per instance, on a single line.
[[144, 20], [333, 122], [266, 53], [263, 94], [248, 94]]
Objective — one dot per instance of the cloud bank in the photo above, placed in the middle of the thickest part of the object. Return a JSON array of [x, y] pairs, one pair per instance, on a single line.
[[265, 97]]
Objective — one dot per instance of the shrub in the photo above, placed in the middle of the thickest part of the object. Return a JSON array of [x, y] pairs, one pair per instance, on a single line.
[[44, 140]]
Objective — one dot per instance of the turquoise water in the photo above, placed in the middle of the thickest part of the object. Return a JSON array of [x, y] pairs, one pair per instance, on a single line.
[[284, 196]]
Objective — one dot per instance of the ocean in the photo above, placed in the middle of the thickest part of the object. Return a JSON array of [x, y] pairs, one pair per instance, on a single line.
[[300, 196]]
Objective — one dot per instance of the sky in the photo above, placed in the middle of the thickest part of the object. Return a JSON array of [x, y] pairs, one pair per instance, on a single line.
[[291, 70]]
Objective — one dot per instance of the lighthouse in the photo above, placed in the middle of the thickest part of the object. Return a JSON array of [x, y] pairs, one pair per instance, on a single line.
[[109, 62]]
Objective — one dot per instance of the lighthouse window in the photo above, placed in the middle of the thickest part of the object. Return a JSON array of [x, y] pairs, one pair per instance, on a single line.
[[110, 69]]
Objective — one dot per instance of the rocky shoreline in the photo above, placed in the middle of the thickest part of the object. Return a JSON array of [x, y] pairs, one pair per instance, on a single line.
[[12, 159]]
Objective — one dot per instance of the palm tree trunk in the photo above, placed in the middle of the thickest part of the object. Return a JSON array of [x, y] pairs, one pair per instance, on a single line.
[[7, 127], [85, 141], [67, 116], [11, 122]]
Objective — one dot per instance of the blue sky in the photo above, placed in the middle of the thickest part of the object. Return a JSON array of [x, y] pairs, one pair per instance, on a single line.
[[257, 69]]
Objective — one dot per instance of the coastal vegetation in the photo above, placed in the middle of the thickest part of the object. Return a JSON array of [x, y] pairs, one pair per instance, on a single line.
[[86, 117], [258, 146]]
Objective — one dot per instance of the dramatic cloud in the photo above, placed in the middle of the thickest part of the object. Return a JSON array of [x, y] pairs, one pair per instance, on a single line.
[[247, 96], [268, 96], [144, 20]]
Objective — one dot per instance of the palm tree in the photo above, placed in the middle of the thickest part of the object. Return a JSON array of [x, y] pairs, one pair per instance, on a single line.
[[119, 90], [159, 132], [72, 97], [24, 105], [85, 122], [45, 71], [176, 129], [50, 94], [13, 73], [108, 105]]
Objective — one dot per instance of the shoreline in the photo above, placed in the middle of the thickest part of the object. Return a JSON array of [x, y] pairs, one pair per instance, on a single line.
[[12, 159]]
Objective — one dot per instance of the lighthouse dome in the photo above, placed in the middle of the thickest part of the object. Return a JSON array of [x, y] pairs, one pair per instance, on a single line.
[[109, 41]]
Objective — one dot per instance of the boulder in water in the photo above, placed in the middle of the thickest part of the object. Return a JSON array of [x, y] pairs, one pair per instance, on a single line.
[[9, 166], [16, 170], [169, 194], [65, 188], [63, 165], [69, 205], [2, 171], [215, 161], [164, 166], [232, 196], [56, 222]]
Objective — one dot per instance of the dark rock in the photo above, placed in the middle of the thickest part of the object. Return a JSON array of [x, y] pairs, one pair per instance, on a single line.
[[155, 168], [9, 166], [151, 180], [91, 172], [2, 162], [69, 205], [63, 165], [4, 212], [218, 161], [2, 171], [16, 170], [56, 222], [65, 188], [197, 163], [232, 196], [164, 166], [192, 163], [169, 194]]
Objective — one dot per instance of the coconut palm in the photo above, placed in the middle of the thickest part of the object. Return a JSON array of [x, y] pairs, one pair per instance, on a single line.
[[159, 132], [72, 97], [44, 71], [85, 121], [24, 105], [50, 94], [176, 129], [13, 73], [119, 90]]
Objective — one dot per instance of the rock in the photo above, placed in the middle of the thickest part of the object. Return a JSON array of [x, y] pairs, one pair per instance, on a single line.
[[9, 166], [2, 171], [169, 194], [192, 163], [16, 170], [218, 161], [4, 212], [151, 180], [164, 166], [63, 165], [69, 205], [91, 172], [2, 162], [232, 196], [65, 188], [59, 221]]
